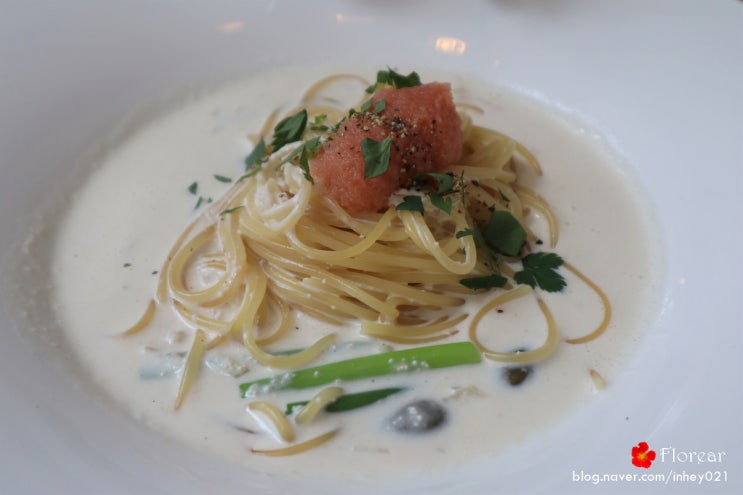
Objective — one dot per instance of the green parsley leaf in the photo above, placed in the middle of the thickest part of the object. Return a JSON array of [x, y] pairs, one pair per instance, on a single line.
[[504, 233], [222, 178], [540, 269], [485, 282], [289, 130], [255, 158], [193, 188], [380, 106], [376, 156], [441, 202], [366, 105], [411, 203]]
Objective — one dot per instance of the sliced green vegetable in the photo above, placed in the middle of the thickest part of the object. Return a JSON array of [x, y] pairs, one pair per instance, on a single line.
[[385, 363], [348, 402], [539, 269], [444, 182], [376, 156]]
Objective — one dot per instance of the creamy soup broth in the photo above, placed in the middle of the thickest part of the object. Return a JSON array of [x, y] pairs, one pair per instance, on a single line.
[[127, 214]]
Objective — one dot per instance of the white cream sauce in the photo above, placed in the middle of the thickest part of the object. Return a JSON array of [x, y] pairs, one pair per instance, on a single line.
[[126, 216]]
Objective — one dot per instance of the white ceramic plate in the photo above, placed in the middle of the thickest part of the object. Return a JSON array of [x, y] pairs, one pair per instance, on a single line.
[[661, 79]]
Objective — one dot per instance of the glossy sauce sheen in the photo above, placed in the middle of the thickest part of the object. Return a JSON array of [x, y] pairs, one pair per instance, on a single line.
[[124, 219]]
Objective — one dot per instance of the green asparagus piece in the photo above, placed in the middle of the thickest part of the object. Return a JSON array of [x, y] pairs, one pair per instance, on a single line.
[[385, 363]]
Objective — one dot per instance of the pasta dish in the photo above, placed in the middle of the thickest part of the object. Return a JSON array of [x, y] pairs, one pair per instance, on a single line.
[[378, 222]]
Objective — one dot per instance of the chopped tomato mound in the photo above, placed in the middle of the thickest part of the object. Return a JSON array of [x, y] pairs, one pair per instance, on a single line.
[[426, 137]]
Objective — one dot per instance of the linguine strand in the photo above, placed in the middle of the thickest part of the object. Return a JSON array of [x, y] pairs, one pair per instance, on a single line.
[[601, 328], [191, 368], [297, 448], [279, 422]]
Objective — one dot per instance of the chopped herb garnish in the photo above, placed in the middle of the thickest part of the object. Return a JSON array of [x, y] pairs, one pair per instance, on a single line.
[[479, 239], [444, 182], [250, 173], [411, 203], [255, 158], [394, 79], [540, 269], [193, 188], [319, 128], [484, 282], [308, 151], [380, 106], [366, 105], [200, 201], [222, 178], [230, 210], [504, 233], [441, 202], [289, 130], [493, 259], [302, 154], [376, 156], [318, 124]]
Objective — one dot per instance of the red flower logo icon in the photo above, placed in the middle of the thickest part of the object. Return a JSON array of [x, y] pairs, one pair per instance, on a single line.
[[642, 456]]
